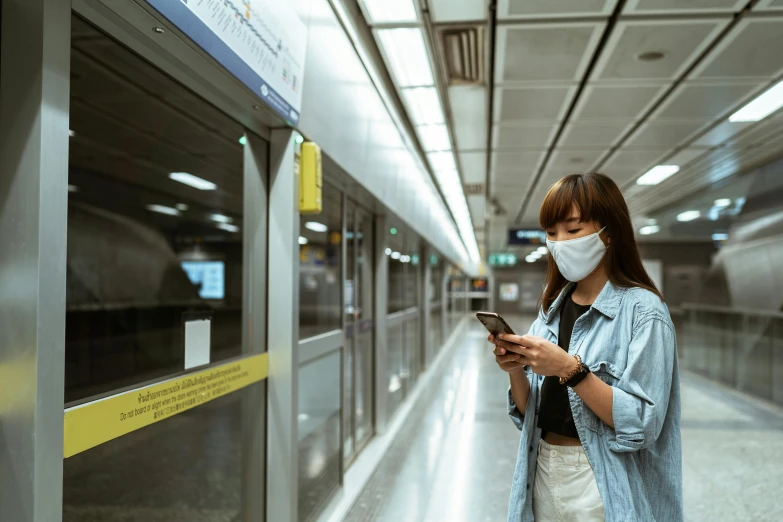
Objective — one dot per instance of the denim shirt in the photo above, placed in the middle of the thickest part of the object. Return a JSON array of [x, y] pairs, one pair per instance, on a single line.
[[627, 340]]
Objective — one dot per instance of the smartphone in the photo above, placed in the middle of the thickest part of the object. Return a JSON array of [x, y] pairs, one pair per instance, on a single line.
[[494, 323]]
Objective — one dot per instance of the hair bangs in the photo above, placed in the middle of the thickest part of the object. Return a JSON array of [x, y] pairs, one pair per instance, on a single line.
[[571, 191]]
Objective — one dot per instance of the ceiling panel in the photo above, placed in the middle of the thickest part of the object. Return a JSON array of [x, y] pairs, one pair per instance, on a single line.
[[679, 41], [474, 166], [767, 5], [625, 104], [705, 101], [659, 135], [565, 162], [720, 133], [752, 50], [680, 6], [546, 53], [539, 8], [458, 10], [477, 205], [469, 115], [515, 162], [535, 137], [536, 103], [591, 134], [631, 160]]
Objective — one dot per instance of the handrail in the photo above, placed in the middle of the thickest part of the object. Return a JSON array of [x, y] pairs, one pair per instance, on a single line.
[[696, 307]]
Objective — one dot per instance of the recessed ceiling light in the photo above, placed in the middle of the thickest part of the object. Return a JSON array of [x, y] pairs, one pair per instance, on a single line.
[[720, 236], [387, 11], [542, 250], [388, 251], [228, 227], [761, 107], [73, 188], [71, 133], [220, 218], [192, 181], [396, 255], [530, 259], [162, 209], [649, 229], [243, 140], [407, 56], [302, 240], [657, 174], [688, 215], [651, 56], [181, 206], [316, 227], [723, 202]]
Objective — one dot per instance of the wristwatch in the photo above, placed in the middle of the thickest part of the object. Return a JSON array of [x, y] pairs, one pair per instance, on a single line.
[[582, 372], [577, 374]]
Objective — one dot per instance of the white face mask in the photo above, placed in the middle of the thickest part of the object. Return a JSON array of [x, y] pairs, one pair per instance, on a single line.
[[577, 258]]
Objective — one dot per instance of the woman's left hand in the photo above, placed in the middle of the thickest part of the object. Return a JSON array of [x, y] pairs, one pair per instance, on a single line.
[[544, 357]]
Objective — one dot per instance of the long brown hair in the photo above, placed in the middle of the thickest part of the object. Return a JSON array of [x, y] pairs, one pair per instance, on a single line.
[[597, 198]]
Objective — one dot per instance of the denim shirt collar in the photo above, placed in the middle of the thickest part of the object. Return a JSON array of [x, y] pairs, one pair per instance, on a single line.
[[607, 302]]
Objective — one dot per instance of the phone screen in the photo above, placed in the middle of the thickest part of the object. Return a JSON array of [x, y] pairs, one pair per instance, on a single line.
[[494, 323]]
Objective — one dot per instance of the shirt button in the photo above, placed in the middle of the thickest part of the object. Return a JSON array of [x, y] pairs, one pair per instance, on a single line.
[[554, 453]]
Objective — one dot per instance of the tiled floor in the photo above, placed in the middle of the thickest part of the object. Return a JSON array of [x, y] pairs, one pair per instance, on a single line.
[[454, 458]]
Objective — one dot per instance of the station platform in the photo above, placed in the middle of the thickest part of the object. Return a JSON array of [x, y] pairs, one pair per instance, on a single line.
[[453, 457]]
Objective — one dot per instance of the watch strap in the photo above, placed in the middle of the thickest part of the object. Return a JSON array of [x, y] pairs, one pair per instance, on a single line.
[[580, 375]]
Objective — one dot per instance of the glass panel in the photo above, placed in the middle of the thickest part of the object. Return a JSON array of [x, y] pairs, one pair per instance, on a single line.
[[365, 332], [319, 434], [395, 249], [777, 362], [412, 352], [188, 468], [320, 277], [143, 248], [395, 375], [351, 324], [412, 263], [756, 357]]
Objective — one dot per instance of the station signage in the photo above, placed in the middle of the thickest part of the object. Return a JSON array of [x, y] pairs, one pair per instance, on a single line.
[[502, 259], [262, 43], [526, 236]]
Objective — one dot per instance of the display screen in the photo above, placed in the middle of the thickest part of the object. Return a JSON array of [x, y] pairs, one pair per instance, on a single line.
[[509, 292], [479, 285], [208, 276]]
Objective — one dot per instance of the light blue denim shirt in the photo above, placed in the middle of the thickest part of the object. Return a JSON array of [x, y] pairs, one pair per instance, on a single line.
[[627, 339]]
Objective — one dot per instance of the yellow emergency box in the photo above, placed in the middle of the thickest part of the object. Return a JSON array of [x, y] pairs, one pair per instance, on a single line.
[[310, 179]]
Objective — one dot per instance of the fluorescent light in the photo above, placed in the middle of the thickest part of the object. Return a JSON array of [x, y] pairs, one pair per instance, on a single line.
[[723, 202], [407, 56], [657, 174], [161, 209], [395, 255], [434, 137], [689, 215], [649, 229], [534, 254], [193, 181], [316, 227], [388, 251], [302, 240], [442, 161], [542, 250], [405, 259], [220, 218], [181, 206], [228, 228], [762, 106], [531, 259], [385, 11], [720, 237], [423, 105]]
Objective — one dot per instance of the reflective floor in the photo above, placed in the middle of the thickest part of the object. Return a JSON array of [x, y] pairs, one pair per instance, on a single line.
[[454, 458]]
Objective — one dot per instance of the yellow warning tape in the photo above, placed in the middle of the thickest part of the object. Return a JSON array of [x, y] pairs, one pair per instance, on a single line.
[[94, 423]]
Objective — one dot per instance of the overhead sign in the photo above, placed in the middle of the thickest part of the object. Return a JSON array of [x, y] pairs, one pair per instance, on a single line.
[[502, 260], [263, 43], [525, 236]]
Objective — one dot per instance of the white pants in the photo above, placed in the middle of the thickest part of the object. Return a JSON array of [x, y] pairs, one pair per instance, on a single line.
[[565, 488]]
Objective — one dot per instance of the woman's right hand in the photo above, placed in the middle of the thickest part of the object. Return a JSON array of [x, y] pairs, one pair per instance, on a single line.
[[509, 362]]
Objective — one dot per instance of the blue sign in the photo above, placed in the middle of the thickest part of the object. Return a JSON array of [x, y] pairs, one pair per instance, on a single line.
[[208, 276], [262, 43], [525, 236]]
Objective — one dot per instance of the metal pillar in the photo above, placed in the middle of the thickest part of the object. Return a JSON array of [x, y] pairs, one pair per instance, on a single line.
[[381, 395], [34, 101], [282, 481]]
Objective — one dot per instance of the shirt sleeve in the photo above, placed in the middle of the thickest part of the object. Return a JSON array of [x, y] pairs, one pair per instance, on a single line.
[[641, 398]]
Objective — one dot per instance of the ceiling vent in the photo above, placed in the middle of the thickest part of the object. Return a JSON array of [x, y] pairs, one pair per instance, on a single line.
[[473, 189], [462, 49]]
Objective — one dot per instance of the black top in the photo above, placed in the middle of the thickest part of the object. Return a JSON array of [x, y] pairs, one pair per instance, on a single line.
[[555, 412]]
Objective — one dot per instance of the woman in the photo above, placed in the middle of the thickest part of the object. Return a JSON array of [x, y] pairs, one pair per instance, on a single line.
[[594, 384]]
